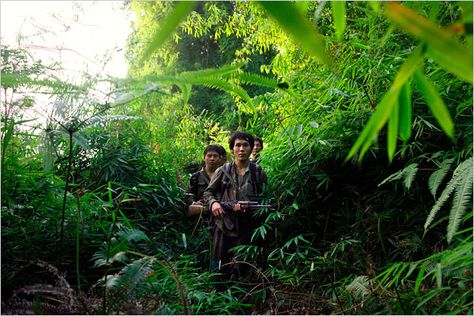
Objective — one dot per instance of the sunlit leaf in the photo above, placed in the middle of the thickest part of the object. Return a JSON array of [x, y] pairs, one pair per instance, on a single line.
[[180, 10], [339, 15], [375, 5], [443, 47], [435, 103], [392, 132], [296, 25], [404, 100]]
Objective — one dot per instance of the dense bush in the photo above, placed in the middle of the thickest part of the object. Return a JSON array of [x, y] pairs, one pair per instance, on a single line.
[[385, 229]]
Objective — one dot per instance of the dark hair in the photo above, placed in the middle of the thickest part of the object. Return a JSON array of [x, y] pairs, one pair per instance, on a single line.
[[240, 135], [259, 140], [217, 148]]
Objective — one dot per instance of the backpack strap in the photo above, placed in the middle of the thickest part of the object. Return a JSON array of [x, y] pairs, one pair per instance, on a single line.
[[256, 177], [226, 177]]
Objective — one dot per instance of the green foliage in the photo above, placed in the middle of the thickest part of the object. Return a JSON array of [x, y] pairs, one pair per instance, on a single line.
[[461, 184], [343, 238]]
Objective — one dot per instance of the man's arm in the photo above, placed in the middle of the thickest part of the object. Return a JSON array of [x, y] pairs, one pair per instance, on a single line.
[[211, 192], [191, 194]]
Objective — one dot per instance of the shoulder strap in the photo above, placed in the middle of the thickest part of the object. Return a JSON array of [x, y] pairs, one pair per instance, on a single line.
[[256, 177], [226, 177]]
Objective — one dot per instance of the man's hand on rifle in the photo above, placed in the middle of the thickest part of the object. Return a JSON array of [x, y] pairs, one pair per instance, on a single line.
[[217, 209]]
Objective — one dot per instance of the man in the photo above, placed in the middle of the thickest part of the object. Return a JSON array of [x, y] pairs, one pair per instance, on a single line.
[[240, 180], [214, 157], [257, 147]]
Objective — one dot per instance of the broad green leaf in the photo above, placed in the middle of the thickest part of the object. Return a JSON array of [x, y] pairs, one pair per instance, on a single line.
[[302, 6], [392, 132], [404, 100], [435, 103], [442, 46], [339, 16], [296, 25], [167, 27]]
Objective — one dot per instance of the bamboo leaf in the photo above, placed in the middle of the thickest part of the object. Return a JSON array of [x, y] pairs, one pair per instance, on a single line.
[[405, 120], [167, 27], [419, 279], [439, 275], [442, 46], [385, 107], [296, 25], [371, 129], [392, 132], [339, 16], [462, 197], [435, 103]]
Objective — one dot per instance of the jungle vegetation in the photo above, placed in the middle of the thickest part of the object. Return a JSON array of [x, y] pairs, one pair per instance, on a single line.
[[365, 109]]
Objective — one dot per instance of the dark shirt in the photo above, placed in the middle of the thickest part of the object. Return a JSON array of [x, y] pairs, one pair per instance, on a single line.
[[197, 188]]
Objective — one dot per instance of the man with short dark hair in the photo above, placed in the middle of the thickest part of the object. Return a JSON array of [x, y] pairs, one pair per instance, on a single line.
[[257, 147], [240, 180], [214, 157]]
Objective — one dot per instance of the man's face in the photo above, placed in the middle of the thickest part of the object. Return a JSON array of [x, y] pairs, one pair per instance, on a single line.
[[242, 150], [212, 159], [257, 147]]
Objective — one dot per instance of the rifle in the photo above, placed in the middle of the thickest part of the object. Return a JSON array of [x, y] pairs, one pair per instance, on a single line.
[[229, 206]]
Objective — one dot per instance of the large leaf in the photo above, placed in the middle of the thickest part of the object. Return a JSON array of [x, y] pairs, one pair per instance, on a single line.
[[443, 47], [339, 16], [392, 132], [435, 103], [295, 24], [180, 10], [405, 121]]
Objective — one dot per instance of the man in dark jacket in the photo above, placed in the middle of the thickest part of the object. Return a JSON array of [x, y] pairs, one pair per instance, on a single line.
[[240, 180], [214, 157]]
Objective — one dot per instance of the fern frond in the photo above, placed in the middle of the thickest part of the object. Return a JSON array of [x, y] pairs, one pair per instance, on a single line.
[[394, 176], [254, 79], [131, 275], [108, 254], [359, 287], [437, 177], [409, 174], [439, 203], [132, 234], [225, 86], [210, 72], [448, 190], [462, 197]]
